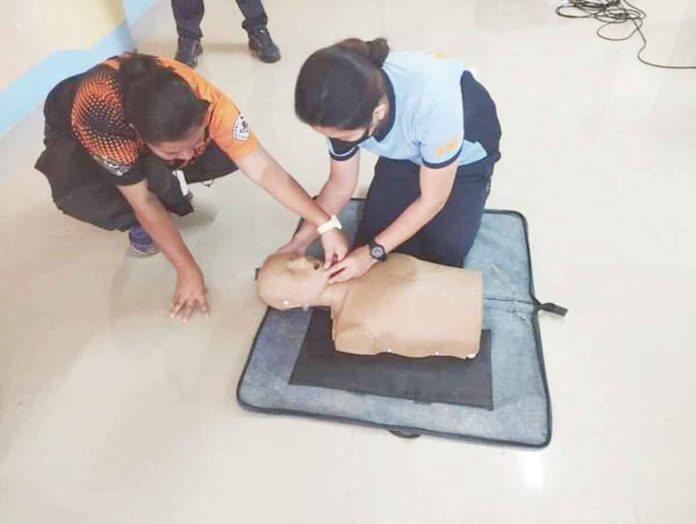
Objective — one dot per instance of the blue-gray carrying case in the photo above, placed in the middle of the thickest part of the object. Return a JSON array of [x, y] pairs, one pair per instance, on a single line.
[[514, 410]]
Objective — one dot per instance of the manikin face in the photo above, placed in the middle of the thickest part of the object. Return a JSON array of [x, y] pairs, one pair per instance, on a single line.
[[289, 281]]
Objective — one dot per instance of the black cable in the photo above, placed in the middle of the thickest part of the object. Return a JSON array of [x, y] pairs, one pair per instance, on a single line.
[[613, 12]]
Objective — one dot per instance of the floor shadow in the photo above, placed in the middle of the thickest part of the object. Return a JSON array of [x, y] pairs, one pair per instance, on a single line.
[[225, 47]]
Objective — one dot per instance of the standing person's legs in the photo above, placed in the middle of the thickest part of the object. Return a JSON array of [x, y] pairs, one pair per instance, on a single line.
[[188, 15], [254, 14], [256, 25]]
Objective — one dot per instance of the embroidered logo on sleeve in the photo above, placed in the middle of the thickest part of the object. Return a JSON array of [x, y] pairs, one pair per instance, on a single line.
[[450, 147], [439, 55], [240, 131]]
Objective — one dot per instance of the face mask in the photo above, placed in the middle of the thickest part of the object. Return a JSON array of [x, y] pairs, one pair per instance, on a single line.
[[355, 143]]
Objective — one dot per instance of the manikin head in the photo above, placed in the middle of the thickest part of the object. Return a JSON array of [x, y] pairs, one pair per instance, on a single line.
[[288, 281]]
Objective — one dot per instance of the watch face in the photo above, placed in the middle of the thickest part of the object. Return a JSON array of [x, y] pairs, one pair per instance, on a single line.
[[377, 252]]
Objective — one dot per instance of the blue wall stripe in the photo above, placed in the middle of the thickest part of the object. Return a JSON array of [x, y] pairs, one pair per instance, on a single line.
[[19, 98], [24, 94]]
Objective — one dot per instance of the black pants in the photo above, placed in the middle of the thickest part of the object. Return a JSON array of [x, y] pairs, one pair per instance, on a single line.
[[84, 190], [189, 13], [447, 238]]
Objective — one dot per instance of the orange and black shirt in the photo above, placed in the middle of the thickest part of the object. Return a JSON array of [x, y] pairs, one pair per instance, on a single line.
[[99, 123]]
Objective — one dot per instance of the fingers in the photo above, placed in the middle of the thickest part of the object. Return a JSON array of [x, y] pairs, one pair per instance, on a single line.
[[185, 307], [335, 247], [341, 276], [177, 304], [329, 259], [339, 254], [188, 309], [341, 272], [337, 268], [343, 248], [334, 255], [203, 304]]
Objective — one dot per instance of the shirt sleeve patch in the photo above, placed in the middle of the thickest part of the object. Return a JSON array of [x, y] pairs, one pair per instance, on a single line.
[[449, 148], [240, 130], [112, 166]]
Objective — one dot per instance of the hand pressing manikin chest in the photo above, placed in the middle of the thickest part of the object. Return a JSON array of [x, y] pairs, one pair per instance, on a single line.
[[404, 305]]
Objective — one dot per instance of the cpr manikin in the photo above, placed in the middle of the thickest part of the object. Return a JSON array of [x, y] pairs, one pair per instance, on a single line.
[[403, 305]]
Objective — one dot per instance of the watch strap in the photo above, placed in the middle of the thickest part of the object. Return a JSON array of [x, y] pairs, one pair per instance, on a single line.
[[329, 225]]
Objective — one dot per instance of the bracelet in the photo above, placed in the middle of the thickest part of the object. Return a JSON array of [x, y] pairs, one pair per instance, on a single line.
[[329, 225]]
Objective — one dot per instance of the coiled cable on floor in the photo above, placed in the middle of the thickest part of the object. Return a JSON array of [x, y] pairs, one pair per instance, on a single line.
[[610, 13]]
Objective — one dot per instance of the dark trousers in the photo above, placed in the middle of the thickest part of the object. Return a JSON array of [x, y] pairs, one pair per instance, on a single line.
[[189, 13], [447, 238], [85, 190]]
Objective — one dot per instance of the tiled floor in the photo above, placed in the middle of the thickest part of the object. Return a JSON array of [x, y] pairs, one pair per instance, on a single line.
[[111, 412]]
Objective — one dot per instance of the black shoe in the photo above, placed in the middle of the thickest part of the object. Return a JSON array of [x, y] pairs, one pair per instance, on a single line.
[[261, 43], [188, 50]]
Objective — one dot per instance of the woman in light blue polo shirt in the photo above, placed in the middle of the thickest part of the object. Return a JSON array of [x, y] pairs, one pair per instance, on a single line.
[[436, 132]]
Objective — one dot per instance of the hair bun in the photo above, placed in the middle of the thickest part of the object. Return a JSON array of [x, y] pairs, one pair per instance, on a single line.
[[377, 51]]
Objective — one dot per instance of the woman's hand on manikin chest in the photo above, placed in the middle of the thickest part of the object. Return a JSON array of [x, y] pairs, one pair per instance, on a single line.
[[355, 265]]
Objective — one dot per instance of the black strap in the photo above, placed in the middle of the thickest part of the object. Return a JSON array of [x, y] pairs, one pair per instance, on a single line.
[[551, 308], [404, 434]]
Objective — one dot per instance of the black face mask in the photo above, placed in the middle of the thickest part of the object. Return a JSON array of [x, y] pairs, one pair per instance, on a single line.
[[355, 143]]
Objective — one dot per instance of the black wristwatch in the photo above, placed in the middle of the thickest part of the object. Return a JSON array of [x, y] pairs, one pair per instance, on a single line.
[[377, 251]]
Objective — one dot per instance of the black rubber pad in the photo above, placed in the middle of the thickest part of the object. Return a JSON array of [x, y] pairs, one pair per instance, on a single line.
[[432, 379]]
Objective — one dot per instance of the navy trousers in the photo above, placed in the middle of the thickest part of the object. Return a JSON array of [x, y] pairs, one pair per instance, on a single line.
[[447, 238], [189, 13]]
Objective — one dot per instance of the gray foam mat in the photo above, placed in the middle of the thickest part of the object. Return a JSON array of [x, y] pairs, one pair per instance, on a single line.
[[522, 411]]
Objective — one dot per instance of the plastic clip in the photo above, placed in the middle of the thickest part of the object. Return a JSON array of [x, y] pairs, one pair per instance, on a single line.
[[553, 308]]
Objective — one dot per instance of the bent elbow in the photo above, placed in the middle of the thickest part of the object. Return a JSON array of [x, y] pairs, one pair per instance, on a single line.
[[437, 205]]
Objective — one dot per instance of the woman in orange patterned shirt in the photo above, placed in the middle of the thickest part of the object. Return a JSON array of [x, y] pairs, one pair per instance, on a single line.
[[124, 140]]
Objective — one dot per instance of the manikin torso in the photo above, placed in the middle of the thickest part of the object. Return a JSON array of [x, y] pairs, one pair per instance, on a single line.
[[404, 306]]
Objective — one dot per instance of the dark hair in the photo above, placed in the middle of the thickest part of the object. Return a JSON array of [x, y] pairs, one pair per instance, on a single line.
[[340, 85], [156, 101]]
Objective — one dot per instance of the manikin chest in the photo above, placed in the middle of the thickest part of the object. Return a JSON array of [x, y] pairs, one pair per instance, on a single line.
[[412, 308]]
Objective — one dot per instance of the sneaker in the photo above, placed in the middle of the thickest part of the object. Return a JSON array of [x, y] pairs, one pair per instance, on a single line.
[[188, 50], [262, 45], [140, 242]]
